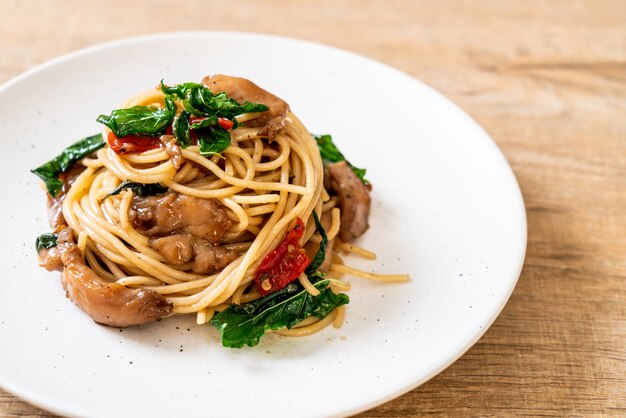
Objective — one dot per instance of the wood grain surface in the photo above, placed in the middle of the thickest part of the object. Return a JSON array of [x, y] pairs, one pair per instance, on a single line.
[[547, 79]]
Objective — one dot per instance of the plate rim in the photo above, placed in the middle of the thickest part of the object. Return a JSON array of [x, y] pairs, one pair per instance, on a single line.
[[50, 405]]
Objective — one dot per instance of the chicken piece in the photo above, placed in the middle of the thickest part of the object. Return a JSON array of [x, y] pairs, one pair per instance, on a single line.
[[173, 212], [177, 248], [106, 303], [243, 90], [211, 258], [55, 204], [50, 259], [354, 200], [181, 248]]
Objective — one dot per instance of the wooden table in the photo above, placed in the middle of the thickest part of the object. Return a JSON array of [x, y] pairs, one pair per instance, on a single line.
[[546, 79]]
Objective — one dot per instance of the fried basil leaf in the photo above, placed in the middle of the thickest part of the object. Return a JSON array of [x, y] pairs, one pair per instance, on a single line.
[[321, 253], [245, 324], [50, 171], [139, 189], [198, 100], [45, 241], [331, 154], [213, 140], [205, 122], [180, 128], [140, 120]]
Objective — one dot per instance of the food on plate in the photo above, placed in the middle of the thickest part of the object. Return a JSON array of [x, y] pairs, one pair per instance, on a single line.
[[208, 198]]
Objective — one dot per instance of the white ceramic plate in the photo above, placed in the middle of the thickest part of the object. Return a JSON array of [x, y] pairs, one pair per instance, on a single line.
[[446, 209]]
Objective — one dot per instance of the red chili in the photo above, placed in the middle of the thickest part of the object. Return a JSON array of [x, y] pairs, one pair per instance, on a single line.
[[131, 144], [225, 123], [283, 265]]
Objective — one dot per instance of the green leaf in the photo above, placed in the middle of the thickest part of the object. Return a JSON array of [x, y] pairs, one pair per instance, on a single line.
[[245, 324], [143, 120], [213, 140], [50, 171], [205, 123], [138, 189], [321, 252], [45, 241], [180, 128], [331, 154], [198, 100], [179, 90]]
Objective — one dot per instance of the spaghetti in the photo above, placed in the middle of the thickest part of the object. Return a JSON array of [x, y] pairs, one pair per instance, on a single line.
[[221, 229]]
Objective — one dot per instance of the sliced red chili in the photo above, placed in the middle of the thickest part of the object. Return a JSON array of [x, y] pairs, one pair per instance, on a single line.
[[131, 144], [283, 265], [225, 123]]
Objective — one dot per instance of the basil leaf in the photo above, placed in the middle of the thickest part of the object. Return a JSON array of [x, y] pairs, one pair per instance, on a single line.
[[213, 140], [205, 123], [331, 154], [198, 100], [179, 90], [180, 128], [144, 120], [328, 150], [321, 252], [45, 241], [221, 105], [139, 189], [50, 171], [245, 324]]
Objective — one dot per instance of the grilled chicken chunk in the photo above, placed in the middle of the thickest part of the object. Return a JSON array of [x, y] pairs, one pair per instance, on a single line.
[[181, 248], [184, 229], [162, 215], [107, 303], [50, 259], [354, 200]]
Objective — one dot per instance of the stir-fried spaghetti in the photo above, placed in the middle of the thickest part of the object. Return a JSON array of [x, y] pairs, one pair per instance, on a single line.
[[168, 221]]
